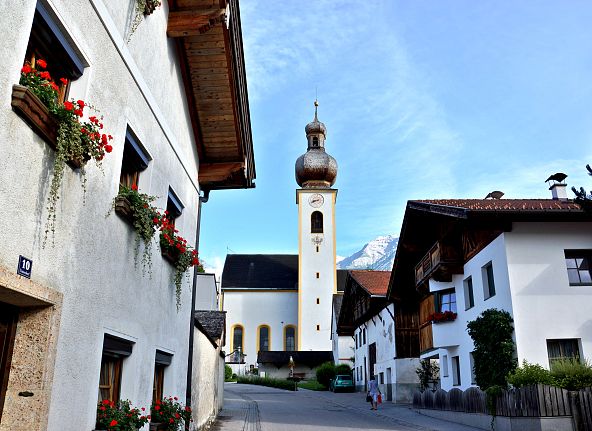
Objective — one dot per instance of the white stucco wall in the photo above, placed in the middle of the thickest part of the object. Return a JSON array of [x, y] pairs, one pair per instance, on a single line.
[[545, 306], [207, 378], [312, 262], [206, 294], [531, 284], [277, 309], [92, 261]]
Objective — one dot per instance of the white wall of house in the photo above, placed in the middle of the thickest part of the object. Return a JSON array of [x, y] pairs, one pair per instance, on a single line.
[[205, 394], [136, 84], [531, 284], [206, 295], [396, 377], [277, 309]]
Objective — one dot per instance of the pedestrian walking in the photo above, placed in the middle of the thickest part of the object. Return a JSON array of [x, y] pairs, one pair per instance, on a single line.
[[373, 392]]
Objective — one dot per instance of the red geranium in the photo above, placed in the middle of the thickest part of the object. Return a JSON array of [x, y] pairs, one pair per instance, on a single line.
[[41, 63], [68, 106]]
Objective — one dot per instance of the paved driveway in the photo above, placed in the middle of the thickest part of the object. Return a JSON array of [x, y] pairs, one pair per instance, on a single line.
[[258, 408]]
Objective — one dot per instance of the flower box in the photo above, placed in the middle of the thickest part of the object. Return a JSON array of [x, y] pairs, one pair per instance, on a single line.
[[158, 426], [170, 254], [28, 106], [441, 317], [123, 208]]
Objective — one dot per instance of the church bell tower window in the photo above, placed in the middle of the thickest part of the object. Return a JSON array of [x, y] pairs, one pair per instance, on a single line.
[[316, 222], [315, 141]]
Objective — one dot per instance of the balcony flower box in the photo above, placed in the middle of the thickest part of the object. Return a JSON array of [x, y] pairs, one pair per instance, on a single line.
[[158, 426], [441, 317]]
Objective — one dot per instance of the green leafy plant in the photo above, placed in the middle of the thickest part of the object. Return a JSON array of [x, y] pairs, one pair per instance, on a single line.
[[494, 353], [529, 374], [427, 372], [227, 373], [77, 140], [171, 412], [183, 255], [571, 374], [325, 373], [343, 369], [120, 416], [582, 197], [145, 218]]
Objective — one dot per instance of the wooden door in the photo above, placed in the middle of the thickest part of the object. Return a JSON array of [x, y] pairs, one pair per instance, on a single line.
[[372, 359], [8, 321]]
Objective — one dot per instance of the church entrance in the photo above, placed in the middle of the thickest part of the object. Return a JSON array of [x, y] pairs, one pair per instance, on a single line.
[[8, 321]]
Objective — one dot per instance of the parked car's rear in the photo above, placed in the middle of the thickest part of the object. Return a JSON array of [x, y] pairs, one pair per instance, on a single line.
[[342, 382]]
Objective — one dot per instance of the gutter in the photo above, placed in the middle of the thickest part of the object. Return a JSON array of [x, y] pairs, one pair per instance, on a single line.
[[192, 318]]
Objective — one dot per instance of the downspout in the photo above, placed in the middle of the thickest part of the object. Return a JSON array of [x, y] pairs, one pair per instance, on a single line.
[[202, 199]]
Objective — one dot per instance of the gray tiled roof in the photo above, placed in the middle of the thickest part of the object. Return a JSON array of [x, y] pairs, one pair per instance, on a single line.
[[260, 271], [212, 322]]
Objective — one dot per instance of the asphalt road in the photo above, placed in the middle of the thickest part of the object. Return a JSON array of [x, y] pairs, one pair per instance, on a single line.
[[258, 408]]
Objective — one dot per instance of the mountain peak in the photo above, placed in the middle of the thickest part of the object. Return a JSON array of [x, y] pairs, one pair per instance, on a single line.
[[378, 254]]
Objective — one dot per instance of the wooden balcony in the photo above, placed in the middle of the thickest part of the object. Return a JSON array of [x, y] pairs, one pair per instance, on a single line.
[[439, 263]]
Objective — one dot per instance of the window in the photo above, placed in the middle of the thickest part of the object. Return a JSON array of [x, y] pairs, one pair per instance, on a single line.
[[455, 371], [579, 267], [161, 361], [49, 42], [568, 348], [364, 335], [356, 337], [472, 363], [488, 282], [237, 338], [263, 339], [315, 141], [115, 349], [447, 301], [318, 327], [381, 378], [316, 222], [289, 338], [318, 301], [317, 248], [135, 160], [444, 365], [174, 206], [469, 297], [318, 275]]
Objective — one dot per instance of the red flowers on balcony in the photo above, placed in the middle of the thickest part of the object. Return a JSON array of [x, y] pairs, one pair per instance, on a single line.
[[445, 316]]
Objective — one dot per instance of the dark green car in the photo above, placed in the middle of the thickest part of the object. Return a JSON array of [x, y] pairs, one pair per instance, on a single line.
[[342, 382]]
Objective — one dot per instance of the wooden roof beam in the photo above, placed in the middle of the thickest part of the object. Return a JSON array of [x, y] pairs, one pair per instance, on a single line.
[[193, 22], [217, 172]]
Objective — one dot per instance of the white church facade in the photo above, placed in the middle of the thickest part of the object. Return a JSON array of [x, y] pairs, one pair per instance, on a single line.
[[280, 306]]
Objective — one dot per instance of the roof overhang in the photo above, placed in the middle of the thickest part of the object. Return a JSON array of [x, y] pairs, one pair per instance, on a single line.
[[209, 43]]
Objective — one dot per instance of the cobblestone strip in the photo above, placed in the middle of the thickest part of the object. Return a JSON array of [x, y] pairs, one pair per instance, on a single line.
[[251, 412]]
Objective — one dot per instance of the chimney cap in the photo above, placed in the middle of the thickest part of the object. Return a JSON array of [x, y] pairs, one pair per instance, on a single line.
[[558, 177]]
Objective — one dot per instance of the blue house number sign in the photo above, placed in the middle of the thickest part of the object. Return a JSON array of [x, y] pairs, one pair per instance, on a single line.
[[24, 267]]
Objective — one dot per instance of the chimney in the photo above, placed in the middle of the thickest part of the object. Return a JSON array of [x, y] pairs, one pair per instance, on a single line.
[[559, 192]]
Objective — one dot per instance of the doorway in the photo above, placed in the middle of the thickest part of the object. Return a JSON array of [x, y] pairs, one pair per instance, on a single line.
[[389, 385], [8, 322], [372, 359]]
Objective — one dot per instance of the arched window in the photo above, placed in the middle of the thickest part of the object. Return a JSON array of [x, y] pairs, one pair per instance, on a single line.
[[289, 338], [316, 222], [315, 141], [237, 338], [263, 343]]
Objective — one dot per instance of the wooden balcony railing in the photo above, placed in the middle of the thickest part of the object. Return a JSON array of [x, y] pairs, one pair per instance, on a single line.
[[440, 262]]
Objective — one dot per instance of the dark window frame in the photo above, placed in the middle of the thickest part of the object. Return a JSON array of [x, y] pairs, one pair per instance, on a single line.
[[115, 350], [564, 346], [135, 159], [469, 293], [456, 375], [448, 294], [174, 206], [316, 222], [488, 281], [577, 269], [262, 347]]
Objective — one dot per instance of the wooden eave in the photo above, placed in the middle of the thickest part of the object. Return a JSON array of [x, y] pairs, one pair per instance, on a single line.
[[209, 44]]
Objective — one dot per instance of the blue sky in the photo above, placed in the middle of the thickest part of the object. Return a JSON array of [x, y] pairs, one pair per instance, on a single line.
[[421, 99]]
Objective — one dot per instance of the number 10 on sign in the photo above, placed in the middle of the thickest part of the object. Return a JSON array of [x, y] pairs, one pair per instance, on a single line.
[[24, 267]]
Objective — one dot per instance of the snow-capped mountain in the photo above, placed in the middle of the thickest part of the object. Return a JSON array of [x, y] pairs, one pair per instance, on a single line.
[[378, 254]]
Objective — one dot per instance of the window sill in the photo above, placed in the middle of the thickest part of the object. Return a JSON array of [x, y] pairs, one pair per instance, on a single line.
[[37, 116]]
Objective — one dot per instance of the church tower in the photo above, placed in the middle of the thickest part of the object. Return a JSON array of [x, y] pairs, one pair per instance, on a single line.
[[317, 280]]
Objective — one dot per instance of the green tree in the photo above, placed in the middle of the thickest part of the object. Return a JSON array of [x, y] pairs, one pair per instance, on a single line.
[[494, 348], [582, 197]]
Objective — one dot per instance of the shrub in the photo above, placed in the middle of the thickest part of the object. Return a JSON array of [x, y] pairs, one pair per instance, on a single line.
[[267, 381], [227, 373], [571, 374], [427, 373], [494, 348], [343, 369], [529, 374], [325, 373]]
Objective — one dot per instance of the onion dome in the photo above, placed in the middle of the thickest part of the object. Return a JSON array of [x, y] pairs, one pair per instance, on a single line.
[[316, 168]]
